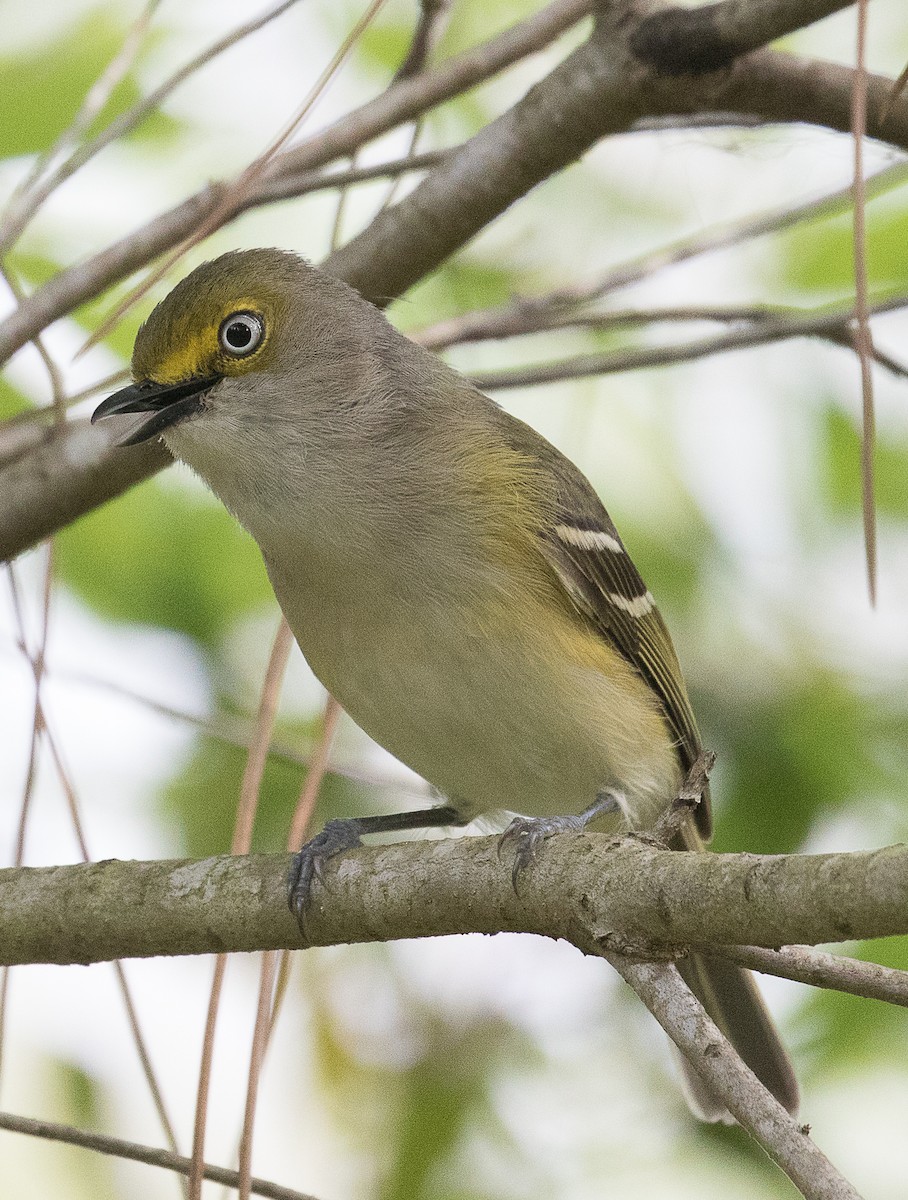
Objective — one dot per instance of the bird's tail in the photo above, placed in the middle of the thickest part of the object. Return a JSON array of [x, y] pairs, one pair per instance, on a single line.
[[731, 997]]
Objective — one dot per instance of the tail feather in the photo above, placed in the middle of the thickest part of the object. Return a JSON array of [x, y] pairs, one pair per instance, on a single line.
[[731, 997]]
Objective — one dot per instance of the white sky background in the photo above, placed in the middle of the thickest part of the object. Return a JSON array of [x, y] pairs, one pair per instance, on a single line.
[[715, 428]]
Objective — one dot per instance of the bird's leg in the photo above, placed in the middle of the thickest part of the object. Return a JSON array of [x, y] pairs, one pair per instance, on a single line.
[[528, 833], [341, 835]]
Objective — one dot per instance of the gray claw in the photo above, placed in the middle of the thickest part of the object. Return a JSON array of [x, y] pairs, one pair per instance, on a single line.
[[528, 833], [309, 864]]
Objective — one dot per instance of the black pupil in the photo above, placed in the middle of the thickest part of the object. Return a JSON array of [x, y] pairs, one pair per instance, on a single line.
[[238, 335]]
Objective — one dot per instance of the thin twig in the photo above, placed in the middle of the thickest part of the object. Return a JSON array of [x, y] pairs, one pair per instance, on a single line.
[[719, 237], [540, 316], [266, 1010], [831, 323], [433, 15], [132, 1015], [31, 193], [19, 216], [676, 817], [37, 660], [58, 402], [806, 964], [28, 786], [101, 1143], [41, 728], [238, 731], [299, 826], [287, 187], [241, 842], [392, 108], [232, 197], [429, 27], [256, 1059], [684, 1019], [863, 338]]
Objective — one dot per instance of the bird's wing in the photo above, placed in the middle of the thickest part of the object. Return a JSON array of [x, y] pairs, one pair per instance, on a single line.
[[583, 547]]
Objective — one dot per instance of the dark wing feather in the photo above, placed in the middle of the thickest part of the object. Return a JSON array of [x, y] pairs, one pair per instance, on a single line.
[[587, 554]]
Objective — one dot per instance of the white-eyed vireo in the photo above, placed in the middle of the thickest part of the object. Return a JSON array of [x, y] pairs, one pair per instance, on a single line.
[[451, 577]]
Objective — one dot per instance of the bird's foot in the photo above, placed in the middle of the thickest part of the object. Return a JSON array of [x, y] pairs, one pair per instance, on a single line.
[[309, 863], [338, 836], [527, 834]]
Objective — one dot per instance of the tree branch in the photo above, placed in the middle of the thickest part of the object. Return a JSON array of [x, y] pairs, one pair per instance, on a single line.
[[599, 89], [398, 104], [805, 964], [831, 322], [71, 471], [586, 888], [134, 1152], [691, 41], [686, 1022]]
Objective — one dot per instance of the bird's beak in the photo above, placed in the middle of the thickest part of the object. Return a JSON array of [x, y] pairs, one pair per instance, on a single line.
[[166, 403]]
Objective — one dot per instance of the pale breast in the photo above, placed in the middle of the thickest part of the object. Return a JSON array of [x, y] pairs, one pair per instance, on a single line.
[[492, 716]]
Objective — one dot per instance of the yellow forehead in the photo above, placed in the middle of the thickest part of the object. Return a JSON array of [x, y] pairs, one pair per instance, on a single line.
[[196, 350]]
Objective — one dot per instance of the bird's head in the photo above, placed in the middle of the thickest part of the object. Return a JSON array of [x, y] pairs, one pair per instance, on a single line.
[[246, 317], [266, 376]]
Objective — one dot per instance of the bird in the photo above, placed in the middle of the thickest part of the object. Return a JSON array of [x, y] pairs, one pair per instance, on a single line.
[[453, 580]]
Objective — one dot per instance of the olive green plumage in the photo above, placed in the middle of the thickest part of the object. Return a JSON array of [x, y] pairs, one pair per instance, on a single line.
[[450, 576]]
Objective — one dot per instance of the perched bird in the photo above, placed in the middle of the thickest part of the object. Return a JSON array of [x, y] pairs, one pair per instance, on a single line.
[[452, 579]]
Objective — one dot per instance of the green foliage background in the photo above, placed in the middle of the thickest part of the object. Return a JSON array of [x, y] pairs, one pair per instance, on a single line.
[[425, 1099]]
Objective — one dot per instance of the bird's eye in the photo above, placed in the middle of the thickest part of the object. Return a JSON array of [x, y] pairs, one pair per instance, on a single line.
[[241, 333]]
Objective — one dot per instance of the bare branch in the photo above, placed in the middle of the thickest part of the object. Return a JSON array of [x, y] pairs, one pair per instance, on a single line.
[[27, 203], [134, 1152], [684, 1019], [396, 105], [686, 41], [589, 882], [832, 322], [595, 891], [805, 964], [432, 17], [71, 471]]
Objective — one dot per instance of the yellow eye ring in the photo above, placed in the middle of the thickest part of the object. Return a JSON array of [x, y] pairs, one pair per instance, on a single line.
[[241, 334]]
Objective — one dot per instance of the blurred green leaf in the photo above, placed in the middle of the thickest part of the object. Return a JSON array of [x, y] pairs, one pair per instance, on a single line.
[[82, 1094], [795, 753], [384, 45], [163, 556], [203, 798], [461, 284], [841, 464], [43, 88], [442, 1095], [12, 402], [842, 1032], [820, 257], [33, 267]]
